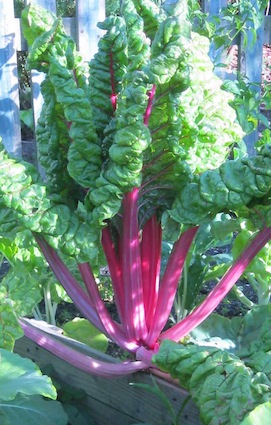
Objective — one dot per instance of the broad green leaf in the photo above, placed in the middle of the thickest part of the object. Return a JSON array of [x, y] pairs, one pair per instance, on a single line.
[[35, 22], [19, 375], [26, 410], [259, 416], [27, 118], [84, 331], [218, 331]]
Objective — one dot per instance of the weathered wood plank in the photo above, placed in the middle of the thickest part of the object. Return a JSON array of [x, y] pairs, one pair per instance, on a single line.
[[115, 400], [267, 30], [10, 129], [88, 14]]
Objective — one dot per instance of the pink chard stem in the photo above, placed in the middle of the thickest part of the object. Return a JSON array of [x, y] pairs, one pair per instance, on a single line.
[[131, 265], [80, 298], [113, 96], [169, 284], [149, 106], [178, 331], [115, 271], [112, 328], [78, 359], [150, 263]]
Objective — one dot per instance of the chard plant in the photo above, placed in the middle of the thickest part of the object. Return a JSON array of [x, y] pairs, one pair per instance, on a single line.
[[134, 148]]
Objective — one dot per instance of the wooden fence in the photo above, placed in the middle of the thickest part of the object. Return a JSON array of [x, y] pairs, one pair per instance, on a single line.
[[83, 29]]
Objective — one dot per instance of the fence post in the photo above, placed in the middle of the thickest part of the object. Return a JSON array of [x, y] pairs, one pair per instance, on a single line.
[[88, 14], [10, 129], [213, 8], [250, 66]]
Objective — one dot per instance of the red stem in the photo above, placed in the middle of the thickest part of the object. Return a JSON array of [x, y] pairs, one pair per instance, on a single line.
[[149, 106], [134, 314], [178, 331], [114, 270], [83, 302], [78, 359], [112, 328], [113, 96], [169, 284], [151, 258]]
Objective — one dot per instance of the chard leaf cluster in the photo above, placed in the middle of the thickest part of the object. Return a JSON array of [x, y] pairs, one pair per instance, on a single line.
[[143, 115], [225, 366]]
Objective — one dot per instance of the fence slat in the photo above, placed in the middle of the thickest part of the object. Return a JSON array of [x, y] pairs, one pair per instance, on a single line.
[[250, 59], [10, 129], [88, 13]]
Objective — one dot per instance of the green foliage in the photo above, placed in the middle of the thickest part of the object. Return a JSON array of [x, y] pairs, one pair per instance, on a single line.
[[66, 8], [156, 390], [226, 367], [10, 329], [260, 415], [246, 103], [237, 18], [82, 330], [235, 183], [22, 388]]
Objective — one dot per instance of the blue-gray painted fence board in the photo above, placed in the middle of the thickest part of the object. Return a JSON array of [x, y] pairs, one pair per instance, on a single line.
[[9, 83], [250, 61]]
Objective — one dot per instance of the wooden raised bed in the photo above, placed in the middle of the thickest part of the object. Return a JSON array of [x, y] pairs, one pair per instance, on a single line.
[[111, 401]]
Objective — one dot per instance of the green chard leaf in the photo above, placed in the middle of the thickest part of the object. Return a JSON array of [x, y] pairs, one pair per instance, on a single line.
[[10, 329], [217, 380], [35, 208], [73, 141], [36, 21], [122, 170], [107, 69], [152, 14], [19, 375], [228, 188]]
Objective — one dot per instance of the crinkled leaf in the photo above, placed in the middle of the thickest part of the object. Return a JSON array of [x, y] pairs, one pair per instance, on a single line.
[[10, 329], [105, 134], [39, 211], [35, 22], [218, 381], [23, 288], [228, 188]]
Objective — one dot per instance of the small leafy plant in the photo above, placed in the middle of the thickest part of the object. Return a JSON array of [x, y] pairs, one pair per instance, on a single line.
[[27, 396], [134, 148]]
